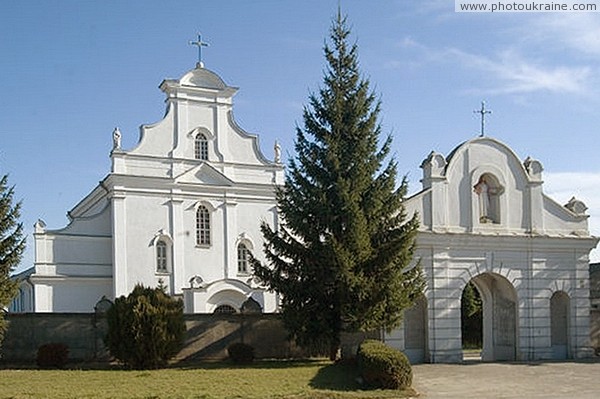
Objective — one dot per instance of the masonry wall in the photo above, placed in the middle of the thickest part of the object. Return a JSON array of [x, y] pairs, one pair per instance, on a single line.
[[595, 329], [208, 336]]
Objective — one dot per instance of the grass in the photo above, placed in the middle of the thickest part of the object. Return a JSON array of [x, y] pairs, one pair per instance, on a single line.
[[269, 379]]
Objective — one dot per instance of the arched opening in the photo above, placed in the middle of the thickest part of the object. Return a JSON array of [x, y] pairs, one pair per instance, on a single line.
[[559, 325], [225, 309], [415, 332], [499, 317], [471, 322]]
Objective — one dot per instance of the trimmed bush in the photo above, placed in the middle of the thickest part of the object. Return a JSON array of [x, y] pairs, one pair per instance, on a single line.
[[381, 366], [52, 355], [145, 329], [241, 353]]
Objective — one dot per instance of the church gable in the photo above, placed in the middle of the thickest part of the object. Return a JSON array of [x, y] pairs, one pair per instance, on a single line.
[[199, 108], [482, 187], [204, 174]]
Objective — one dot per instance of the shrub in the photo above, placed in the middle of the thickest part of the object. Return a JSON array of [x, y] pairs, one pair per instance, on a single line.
[[146, 328], [52, 355], [241, 353], [383, 367]]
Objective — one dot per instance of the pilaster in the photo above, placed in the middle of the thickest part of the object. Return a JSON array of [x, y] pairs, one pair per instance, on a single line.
[[119, 242], [178, 247], [230, 233]]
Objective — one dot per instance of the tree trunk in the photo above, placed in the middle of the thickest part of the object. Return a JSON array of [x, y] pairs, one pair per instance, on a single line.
[[333, 351]]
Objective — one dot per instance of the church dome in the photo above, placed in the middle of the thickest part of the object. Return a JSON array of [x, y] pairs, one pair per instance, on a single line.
[[202, 77]]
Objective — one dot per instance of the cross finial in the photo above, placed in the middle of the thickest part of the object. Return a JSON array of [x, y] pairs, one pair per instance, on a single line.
[[482, 112], [200, 44]]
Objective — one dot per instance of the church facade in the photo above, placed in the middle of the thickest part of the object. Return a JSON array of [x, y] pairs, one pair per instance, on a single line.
[[485, 219], [182, 209]]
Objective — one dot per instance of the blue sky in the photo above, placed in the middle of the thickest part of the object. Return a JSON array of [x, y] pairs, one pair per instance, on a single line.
[[70, 71]]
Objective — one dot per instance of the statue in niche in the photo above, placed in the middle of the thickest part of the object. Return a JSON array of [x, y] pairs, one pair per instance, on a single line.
[[488, 192]]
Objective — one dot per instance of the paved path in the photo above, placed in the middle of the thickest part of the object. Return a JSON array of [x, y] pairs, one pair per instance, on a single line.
[[569, 379]]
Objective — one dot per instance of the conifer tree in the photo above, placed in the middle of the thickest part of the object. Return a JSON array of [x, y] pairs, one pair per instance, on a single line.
[[12, 245], [145, 328], [340, 257]]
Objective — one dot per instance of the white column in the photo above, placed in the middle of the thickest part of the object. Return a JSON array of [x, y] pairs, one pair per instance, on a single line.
[[230, 234], [119, 232], [178, 249]]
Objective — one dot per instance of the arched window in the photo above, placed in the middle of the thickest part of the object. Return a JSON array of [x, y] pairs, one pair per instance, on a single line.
[[202, 226], [201, 147], [225, 309], [243, 257], [161, 257]]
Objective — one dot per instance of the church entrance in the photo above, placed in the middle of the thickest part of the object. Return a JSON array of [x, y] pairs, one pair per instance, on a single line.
[[489, 307]]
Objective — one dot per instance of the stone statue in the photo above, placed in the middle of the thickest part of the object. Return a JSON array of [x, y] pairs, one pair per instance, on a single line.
[[116, 139], [488, 191], [277, 149], [483, 190]]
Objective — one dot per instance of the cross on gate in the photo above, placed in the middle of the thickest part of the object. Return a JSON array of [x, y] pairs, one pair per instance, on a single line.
[[482, 112]]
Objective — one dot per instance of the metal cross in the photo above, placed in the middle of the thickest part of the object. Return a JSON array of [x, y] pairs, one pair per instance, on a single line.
[[482, 112], [200, 44]]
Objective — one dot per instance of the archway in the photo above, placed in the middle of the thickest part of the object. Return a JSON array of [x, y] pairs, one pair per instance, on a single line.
[[471, 322], [559, 324], [499, 317]]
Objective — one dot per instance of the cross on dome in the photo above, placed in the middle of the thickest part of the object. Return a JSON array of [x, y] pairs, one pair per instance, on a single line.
[[199, 43]]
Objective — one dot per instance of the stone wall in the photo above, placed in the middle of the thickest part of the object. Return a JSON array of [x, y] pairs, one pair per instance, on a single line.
[[208, 336], [595, 329]]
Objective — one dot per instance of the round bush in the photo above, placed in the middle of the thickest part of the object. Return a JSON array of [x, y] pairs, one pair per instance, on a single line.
[[241, 353], [381, 366], [52, 355]]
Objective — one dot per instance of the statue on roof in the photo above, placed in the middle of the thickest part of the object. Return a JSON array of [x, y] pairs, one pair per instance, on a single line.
[[116, 139], [277, 150]]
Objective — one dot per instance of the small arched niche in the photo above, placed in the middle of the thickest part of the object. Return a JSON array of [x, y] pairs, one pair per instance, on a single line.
[[488, 191]]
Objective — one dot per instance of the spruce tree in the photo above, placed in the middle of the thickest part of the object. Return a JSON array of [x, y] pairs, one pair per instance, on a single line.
[[340, 258], [12, 245]]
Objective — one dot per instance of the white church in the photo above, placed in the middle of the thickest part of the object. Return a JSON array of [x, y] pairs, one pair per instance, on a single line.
[[183, 209]]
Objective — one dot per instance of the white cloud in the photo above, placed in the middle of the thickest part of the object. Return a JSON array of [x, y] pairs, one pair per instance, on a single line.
[[506, 72], [585, 186], [577, 31], [515, 75]]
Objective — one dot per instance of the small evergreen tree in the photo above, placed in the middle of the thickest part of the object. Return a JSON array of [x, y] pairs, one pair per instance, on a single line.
[[12, 245], [146, 328], [340, 258]]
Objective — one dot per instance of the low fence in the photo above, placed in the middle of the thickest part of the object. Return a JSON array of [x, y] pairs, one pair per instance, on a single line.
[[208, 336]]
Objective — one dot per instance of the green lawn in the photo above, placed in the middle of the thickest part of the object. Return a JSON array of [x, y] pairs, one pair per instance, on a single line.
[[271, 379]]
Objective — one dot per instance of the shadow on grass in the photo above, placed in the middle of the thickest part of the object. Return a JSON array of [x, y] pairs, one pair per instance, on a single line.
[[336, 377], [270, 364]]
